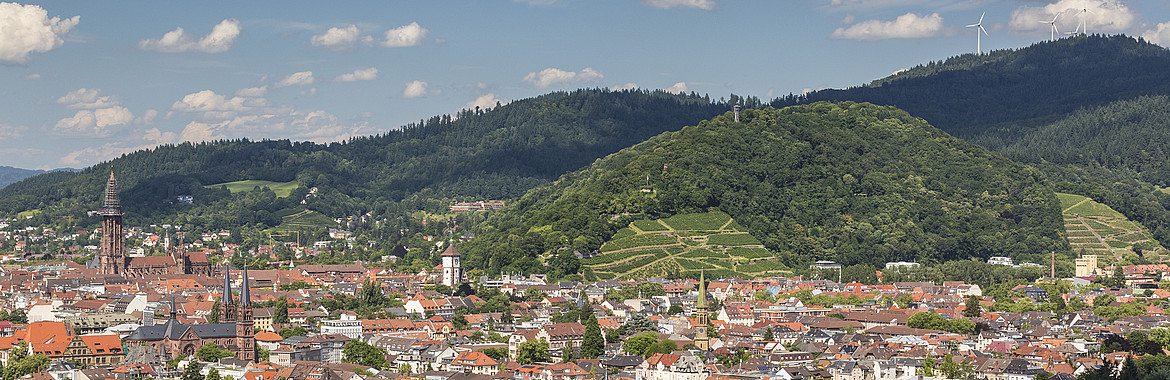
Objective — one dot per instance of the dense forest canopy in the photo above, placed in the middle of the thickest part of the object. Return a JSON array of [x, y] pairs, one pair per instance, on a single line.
[[1002, 95], [852, 182], [477, 154]]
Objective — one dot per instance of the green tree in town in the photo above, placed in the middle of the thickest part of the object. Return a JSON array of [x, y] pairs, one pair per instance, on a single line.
[[280, 311], [20, 363], [362, 353], [768, 335], [593, 343], [213, 316], [192, 372], [210, 352], [532, 351], [212, 374], [974, 310]]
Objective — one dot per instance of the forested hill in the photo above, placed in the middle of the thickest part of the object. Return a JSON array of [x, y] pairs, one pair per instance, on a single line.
[[492, 154], [994, 98], [857, 183], [9, 175]]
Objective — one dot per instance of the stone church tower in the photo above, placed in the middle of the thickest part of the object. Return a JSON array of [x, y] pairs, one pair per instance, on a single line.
[[113, 243], [452, 272]]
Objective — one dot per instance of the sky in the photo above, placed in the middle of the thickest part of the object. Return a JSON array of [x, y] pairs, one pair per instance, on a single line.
[[82, 82]]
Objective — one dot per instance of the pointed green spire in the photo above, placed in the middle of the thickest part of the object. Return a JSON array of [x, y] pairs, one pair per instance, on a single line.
[[702, 302]]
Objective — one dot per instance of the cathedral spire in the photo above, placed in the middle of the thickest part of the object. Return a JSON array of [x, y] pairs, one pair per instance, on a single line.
[[245, 296], [227, 286], [111, 205]]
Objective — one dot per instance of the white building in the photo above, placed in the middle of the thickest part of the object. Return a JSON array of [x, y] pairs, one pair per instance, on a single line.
[[347, 325], [452, 272]]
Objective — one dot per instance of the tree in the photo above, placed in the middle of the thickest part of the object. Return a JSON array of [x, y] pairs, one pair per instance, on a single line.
[[358, 352], [460, 322], [1103, 300], [212, 374], [639, 322], [768, 336], [532, 351], [675, 309], [496, 353], [612, 336], [210, 352], [1118, 278], [404, 369], [567, 354], [20, 363], [213, 316], [974, 310], [192, 372], [533, 294], [593, 343], [280, 311], [927, 320], [640, 344], [293, 331]]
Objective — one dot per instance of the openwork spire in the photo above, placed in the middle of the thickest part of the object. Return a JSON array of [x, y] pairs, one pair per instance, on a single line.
[[111, 205]]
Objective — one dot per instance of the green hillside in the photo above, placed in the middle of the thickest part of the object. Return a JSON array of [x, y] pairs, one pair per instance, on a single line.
[[490, 154], [1095, 228], [682, 245], [851, 182]]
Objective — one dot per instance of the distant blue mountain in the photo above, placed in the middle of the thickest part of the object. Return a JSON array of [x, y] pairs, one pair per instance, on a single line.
[[10, 175]]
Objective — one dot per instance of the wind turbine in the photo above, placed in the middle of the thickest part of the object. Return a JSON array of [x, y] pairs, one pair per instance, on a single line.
[[1084, 27], [979, 39], [1054, 30]]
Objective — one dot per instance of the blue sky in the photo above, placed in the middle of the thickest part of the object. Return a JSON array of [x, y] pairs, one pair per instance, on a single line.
[[82, 82]]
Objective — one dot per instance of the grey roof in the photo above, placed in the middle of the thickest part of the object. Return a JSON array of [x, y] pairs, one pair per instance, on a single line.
[[175, 330]]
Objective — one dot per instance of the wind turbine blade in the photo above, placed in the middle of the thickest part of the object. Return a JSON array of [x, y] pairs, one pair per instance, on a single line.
[[972, 25], [1054, 29], [981, 17], [1054, 18], [984, 31]]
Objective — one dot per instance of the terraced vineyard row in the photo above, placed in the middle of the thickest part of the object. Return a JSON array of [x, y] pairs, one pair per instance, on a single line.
[[711, 242], [1095, 228]]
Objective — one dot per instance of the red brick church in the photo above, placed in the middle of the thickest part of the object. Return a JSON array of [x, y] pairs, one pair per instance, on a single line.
[[113, 260]]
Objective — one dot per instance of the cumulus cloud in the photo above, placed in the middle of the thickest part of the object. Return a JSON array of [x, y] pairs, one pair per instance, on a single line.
[[33, 76], [252, 92], [221, 38], [627, 86], [405, 36], [148, 117], [11, 131], [415, 89], [484, 101], [25, 29], [95, 123], [210, 104], [337, 38], [86, 98], [707, 5], [551, 76], [358, 75], [909, 25], [303, 78], [678, 88], [1103, 16], [101, 153], [1159, 34], [159, 137], [284, 122]]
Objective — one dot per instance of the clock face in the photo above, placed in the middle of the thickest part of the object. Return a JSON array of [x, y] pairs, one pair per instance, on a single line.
[[701, 330]]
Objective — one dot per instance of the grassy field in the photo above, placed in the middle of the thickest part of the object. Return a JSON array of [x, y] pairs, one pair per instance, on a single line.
[[28, 214], [1098, 229], [282, 189], [683, 243]]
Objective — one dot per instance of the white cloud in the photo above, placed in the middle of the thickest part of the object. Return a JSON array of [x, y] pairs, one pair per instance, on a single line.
[[148, 117], [85, 98], [415, 89], [221, 38], [303, 78], [252, 92], [707, 5], [483, 102], [96, 122], [160, 137], [551, 76], [11, 131], [405, 36], [358, 75], [33, 76], [95, 154], [1159, 35], [848, 19], [284, 122], [909, 25], [212, 105], [26, 29], [337, 38], [1103, 16], [678, 88], [627, 86]]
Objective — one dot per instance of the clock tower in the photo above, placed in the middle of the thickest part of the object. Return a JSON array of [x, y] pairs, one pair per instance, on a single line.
[[702, 342]]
